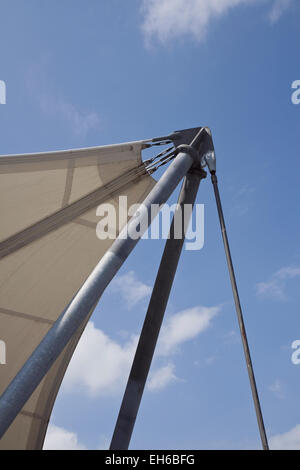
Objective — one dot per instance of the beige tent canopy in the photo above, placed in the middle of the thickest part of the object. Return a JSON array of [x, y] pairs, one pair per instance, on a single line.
[[48, 247]]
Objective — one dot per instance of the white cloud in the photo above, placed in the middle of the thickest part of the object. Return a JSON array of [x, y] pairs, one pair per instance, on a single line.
[[289, 440], [60, 439], [210, 360], [278, 8], [54, 106], [277, 388], [183, 326], [160, 378], [104, 442], [130, 288], [232, 337], [169, 19], [288, 273], [275, 287], [99, 364], [272, 289], [79, 122]]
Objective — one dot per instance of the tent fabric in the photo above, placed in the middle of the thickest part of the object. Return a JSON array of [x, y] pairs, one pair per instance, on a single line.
[[48, 247]]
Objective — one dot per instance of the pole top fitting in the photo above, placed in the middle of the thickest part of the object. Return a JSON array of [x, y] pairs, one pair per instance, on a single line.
[[201, 149], [184, 148], [203, 144], [207, 151], [209, 160]]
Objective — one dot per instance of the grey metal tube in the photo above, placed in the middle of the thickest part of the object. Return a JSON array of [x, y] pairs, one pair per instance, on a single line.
[[238, 307], [38, 364], [154, 317]]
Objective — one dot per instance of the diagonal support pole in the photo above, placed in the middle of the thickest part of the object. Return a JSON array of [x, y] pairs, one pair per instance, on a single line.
[[35, 368], [155, 313], [238, 307]]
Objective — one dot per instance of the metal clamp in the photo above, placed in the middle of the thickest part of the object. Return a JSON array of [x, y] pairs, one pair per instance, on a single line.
[[184, 148]]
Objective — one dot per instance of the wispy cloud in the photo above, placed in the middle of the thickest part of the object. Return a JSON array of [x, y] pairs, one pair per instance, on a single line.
[[278, 9], [58, 438], [162, 377], [288, 273], [165, 20], [277, 388], [242, 200], [274, 288], [104, 442], [232, 337], [184, 326], [289, 440], [131, 288], [79, 122], [54, 106]]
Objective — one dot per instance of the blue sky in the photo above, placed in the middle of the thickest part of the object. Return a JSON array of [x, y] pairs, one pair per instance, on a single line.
[[91, 73]]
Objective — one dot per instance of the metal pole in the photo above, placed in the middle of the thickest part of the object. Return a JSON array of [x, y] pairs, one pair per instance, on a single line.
[[238, 307], [30, 375], [154, 317]]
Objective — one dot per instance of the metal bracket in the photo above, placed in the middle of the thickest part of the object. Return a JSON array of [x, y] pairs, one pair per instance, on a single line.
[[183, 138], [188, 149]]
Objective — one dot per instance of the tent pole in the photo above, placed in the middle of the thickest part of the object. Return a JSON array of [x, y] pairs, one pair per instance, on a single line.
[[35, 368], [154, 317], [238, 307]]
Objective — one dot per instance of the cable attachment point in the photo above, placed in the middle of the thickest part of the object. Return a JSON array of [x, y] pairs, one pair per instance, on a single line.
[[209, 160]]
